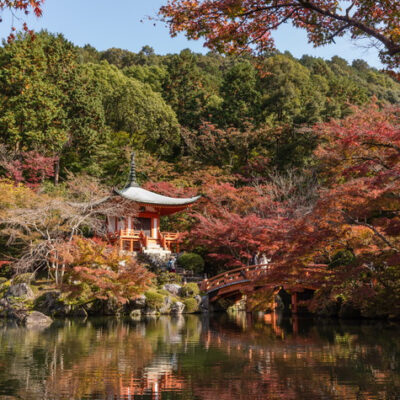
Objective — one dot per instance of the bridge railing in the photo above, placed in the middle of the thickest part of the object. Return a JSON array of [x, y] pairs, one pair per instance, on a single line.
[[254, 272], [251, 272]]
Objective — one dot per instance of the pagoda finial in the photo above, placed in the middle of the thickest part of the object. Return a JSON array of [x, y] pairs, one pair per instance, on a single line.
[[132, 175]]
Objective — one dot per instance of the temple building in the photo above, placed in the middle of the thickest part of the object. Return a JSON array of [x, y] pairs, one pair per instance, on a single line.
[[140, 231]]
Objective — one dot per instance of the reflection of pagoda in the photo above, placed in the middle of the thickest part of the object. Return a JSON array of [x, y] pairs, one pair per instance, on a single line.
[[157, 378], [141, 231]]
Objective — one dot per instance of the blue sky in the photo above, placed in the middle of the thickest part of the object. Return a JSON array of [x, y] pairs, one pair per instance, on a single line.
[[117, 23]]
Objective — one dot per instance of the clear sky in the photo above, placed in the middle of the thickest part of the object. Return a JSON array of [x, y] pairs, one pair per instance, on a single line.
[[118, 23]]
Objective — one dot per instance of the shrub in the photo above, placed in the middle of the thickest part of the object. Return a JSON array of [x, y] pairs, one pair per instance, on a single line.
[[23, 278], [4, 287], [190, 289], [191, 262], [168, 277], [154, 300], [191, 305], [6, 270]]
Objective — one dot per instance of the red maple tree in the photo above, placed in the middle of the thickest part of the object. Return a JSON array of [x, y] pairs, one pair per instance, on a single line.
[[232, 25]]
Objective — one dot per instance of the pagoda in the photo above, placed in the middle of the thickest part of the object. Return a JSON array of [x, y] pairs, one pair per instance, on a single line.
[[140, 231]]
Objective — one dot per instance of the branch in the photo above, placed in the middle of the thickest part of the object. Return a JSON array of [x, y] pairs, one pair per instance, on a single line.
[[389, 44], [373, 229]]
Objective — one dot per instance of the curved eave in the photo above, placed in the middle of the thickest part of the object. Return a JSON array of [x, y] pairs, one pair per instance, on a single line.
[[143, 196]]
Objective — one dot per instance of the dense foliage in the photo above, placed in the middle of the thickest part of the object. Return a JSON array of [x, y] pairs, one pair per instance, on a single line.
[[232, 25], [296, 159]]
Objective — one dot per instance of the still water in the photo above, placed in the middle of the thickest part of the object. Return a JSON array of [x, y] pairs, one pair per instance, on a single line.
[[196, 357]]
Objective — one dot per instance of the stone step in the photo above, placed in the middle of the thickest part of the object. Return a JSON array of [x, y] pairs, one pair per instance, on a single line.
[[158, 252]]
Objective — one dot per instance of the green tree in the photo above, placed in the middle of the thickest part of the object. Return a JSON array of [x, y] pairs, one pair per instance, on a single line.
[[47, 103], [288, 93], [240, 94], [184, 88], [133, 107]]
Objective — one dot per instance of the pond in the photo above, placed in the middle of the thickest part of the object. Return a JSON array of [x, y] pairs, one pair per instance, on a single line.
[[237, 356]]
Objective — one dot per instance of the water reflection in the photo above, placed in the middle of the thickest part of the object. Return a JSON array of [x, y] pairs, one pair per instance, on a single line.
[[195, 357]]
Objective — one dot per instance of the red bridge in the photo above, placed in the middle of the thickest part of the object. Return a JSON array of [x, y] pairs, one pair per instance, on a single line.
[[236, 282]]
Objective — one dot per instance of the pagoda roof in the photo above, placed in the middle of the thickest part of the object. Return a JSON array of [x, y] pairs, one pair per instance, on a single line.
[[134, 192], [143, 196]]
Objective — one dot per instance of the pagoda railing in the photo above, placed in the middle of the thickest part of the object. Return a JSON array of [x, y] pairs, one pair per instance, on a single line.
[[166, 240]]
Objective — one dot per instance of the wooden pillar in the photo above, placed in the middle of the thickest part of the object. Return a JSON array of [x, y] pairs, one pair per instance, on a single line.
[[294, 303], [154, 227], [295, 324]]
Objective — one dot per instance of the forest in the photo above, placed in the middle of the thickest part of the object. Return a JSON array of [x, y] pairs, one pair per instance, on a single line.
[[294, 158]]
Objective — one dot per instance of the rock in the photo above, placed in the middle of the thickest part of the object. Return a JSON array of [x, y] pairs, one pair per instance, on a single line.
[[9, 308], [198, 299], [172, 288], [50, 304], [150, 313], [177, 308], [37, 319], [20, 290], [139, 303], [111, 307], [79, 312], [204, 305], [135, 314], [166, 308]]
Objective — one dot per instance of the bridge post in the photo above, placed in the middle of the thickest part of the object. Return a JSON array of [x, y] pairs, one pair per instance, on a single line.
[[294, 303]]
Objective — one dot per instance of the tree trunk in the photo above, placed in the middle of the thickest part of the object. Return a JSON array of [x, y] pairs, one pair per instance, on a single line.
[[56, 170]]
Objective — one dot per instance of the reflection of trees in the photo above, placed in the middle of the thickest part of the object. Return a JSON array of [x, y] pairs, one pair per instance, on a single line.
[[224, 357], [95, 359], [115, 360], [301, 360]]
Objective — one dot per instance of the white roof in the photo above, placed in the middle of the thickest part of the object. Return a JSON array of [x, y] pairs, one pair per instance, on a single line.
[[141, 195]]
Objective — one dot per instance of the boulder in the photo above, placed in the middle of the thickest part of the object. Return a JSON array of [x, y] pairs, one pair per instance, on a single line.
[[37, 320], [177, 308], [111, 307], [79, 312], [139, 303], [166, 308], [198, 299], [204, 305], [9, 308], [20, 290], [50, 304], [135, 314], [150, 313], [172, 288]]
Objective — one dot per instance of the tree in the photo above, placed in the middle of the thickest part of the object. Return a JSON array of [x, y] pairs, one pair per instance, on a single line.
[[30, 168], [289, 94], [228, 148], [232, 25], [94, 270], [48, 103], [34, 224], [131, 106], [240, 95], [184, 89], [26, 6], [353, 226]]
